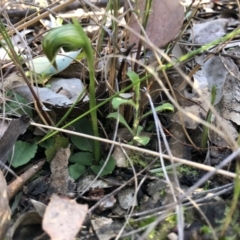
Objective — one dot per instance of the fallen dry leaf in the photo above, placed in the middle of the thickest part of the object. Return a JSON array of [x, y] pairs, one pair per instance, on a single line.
[[63, 218], [59, 172], [230, 101], [27, 226], [165, 21], [104, 228], [207, 32]]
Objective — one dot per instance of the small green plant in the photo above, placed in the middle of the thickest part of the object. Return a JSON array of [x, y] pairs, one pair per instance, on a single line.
[[72, 37], [80, 162], [136, 129], [144, 223], [83, 160], [187, 170], [205, 229]]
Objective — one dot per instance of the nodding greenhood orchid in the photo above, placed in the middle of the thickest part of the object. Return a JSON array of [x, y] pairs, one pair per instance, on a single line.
[[72, 37]]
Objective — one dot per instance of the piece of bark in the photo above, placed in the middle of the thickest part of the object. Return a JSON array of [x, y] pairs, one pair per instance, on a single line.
[[60, 181], [18, 183], [15, 128]]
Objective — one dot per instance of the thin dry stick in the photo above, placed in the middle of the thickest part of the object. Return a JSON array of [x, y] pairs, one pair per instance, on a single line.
[[161, 134], [166, 214], [198, 184], [18, 183], [158, 210], [175, 98], [176, 159], [37, 102], [137, 187], [41, 16], [116, 190]]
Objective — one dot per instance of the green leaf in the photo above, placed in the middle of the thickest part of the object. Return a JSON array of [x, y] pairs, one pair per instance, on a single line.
[[84, 158], [46, 144], [81, 55], [143, 140], [50, 152], [84, 144], [163, 107], [139, 130], [133, 76], [135, 79], [119, 117], [23, 153], [107, 170], [76, 170], [117, 101], [18, 105]]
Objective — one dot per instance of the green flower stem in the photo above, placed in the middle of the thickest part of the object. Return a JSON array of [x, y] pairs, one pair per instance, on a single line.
[[90, 59], [137, 109]]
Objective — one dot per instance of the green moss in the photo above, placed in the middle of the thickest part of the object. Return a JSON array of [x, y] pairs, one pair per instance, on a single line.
[[139, 160], [205, 229], [171, 220], [183, 169]]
